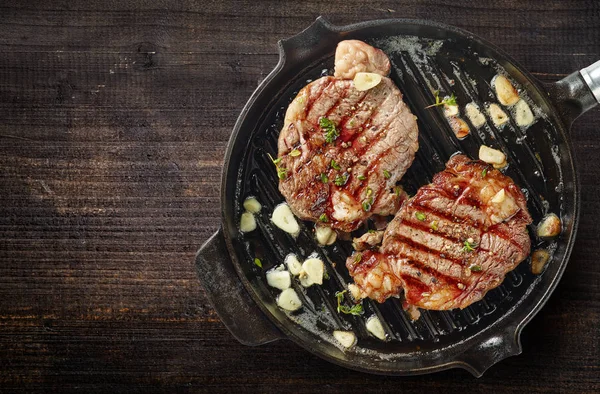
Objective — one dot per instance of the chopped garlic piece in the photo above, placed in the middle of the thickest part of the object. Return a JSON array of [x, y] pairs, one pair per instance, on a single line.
[[499, 197], [291, 261], [312, 272], [365, 81], [539, 258], [374, 326], [523, 115], [252, 205], [346, 338], [450, 110], [247, 222], [289, 300], [284, 219], [505, 91], [325, 235], [279, 279], [491, 156], [499, 117], [549, 227], [474, 115]]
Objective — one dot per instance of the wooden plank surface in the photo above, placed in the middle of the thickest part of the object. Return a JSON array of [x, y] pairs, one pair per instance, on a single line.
[[114, 119]]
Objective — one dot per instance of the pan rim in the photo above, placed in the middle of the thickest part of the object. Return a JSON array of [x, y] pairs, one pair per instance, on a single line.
[[509, 327]]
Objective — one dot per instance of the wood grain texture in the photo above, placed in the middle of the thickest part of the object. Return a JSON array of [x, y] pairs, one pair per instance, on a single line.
[[115, 116]]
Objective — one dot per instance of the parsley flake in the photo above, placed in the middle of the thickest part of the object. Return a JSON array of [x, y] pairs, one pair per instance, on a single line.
[[484, 172], [331, 133], [341, 180], [335, 165], [355, 310], [386, 174], [434, 226], [420, 215], [446, 101], [295, 153], [468, 246], [281, 173], [324, 178], [257, 262], [362, 177], [475, 268], [323, 218]]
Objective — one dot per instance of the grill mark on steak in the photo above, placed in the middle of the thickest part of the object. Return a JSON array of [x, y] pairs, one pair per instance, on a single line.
[[413, 251]]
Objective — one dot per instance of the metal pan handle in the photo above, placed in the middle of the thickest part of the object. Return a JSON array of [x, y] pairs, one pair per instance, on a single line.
[[489, 351], [577, 93], [233, 304]]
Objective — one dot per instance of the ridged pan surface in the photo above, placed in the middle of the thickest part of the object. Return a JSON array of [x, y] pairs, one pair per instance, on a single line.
[[424, 58]]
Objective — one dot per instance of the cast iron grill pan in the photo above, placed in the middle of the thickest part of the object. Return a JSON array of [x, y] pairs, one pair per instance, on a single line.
[[424, 58]]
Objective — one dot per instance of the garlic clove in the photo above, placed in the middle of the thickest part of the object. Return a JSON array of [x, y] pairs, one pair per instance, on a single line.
[[523, 115], [312, 272], [293, 265], [247, 222], [252, 205], [539, 259], [549, 227], [346, 338], [279, 279], [325, 235], [450, 110], [499, 197], [474, 115], [374, 327], [284, 219], [491, 155], [505, 91], [499, 117], [365, 81], [289, 300]]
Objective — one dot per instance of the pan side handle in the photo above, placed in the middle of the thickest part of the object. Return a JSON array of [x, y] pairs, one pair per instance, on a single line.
[[225, 291], [491, 350], [577, 93]]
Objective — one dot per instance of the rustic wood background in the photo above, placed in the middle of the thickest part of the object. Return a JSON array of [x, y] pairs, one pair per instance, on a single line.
[[114, 118]]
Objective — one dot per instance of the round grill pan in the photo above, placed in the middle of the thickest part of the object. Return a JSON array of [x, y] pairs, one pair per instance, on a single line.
[[425, 56]]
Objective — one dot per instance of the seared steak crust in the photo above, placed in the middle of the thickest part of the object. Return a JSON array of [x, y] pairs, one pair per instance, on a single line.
[[345, 181], [452, 242]]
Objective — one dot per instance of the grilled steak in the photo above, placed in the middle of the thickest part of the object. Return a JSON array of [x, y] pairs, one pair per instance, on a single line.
[[341, 151], [450, 243]]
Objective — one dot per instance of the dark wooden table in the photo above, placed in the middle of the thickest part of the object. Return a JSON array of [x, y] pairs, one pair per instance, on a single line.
[[114, 118]]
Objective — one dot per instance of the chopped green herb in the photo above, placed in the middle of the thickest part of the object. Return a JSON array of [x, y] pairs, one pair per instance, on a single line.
[[358, 257], [420, 215], [397, 190], [275, 161], [369, 191], [257, 262], [331, 133], [468, 246], [323, 218], [371, 231], [341, 180], [352, 123], [475, 268], [386, 174], [366, 205], [446, 101], [281, 173], [325, 275], [335, 165], [295, 153], [362, 177], [355, 310], [324, 178], [484, 172], [434, 226]]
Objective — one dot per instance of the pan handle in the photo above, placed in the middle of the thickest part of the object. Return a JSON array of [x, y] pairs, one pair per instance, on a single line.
[[225, 291], [577, 93], [492, 350]]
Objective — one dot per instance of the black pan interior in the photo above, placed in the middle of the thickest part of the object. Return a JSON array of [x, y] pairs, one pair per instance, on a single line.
[[424, 58]]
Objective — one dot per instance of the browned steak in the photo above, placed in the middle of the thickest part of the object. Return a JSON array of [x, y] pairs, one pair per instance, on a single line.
[[450, 243], [342, 151]]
